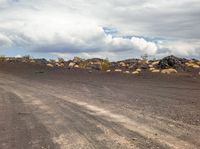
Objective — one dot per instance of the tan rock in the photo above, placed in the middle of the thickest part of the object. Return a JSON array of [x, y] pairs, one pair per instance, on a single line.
[[32, 61], [50, 65], [57, 64], [139, 70], [135, 72], [71, 65], [150, 66], [62, 65], [196, 66], [122, 64], [127, 72], [155, 63], [156, 71], [151, 69], [169, 71], [118, 70], [108, 70], [193, 65], [76, 66]]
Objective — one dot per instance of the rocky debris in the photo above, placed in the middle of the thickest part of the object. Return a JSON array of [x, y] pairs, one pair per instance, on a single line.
[[169, 71], [155, 71], [71, 65], [118, 70], [50, 65], [41, 61], [127, 72], [96, 66], [155, 63], [151, 69], [60, 64], [144, 66], [192, 64], [135, 72], [77, 60], [108, 70], [134, 66], [124, 66], [139, 70], [172, 62], [151, 66], [76, 66]]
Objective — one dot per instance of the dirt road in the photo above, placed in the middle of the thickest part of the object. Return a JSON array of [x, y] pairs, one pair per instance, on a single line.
[[57, 109]]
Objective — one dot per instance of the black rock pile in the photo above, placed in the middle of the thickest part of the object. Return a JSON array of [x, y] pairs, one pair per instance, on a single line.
[[172, 62]]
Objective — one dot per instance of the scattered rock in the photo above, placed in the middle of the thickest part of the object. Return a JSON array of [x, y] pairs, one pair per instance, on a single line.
[[57, 64], [41, 61], [71, 64], [155, 71], [196, 66], [144, 66], [151, 69], [76, 66], [122, 64], [155, 63], [50, 65], [135, 72], [169, 71], [118, 70], [108, 70], [134, 139], [96, 66], [150, 66], [139, 70], [77, 60], [191, 64], [127, 72]]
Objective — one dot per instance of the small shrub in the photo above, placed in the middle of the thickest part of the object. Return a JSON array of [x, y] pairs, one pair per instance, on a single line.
[[52, 61], [61, 60], [26, 58], [2, 58]]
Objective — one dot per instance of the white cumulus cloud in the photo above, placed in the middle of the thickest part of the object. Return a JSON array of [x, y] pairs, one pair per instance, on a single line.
[[156, 27]]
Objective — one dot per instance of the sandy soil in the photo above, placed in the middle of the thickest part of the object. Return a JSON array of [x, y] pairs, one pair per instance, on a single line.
[[43, 108]]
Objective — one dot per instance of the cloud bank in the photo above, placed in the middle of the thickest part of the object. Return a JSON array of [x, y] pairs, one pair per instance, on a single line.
[[106, 28]]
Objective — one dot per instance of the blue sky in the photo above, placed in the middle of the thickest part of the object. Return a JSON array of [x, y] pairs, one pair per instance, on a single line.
[[114, 29]]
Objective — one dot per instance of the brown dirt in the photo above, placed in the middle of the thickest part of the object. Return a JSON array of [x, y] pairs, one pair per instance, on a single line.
[[60, 108]]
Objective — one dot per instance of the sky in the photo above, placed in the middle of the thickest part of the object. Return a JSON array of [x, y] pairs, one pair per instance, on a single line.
[[114, 29]]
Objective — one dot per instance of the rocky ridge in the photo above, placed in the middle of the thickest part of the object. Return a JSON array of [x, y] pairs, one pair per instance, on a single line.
[[166, 65]]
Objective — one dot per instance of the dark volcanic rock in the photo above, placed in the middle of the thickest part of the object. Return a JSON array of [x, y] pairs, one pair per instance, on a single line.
[[172, 62], [41, 61], [144, 66]]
